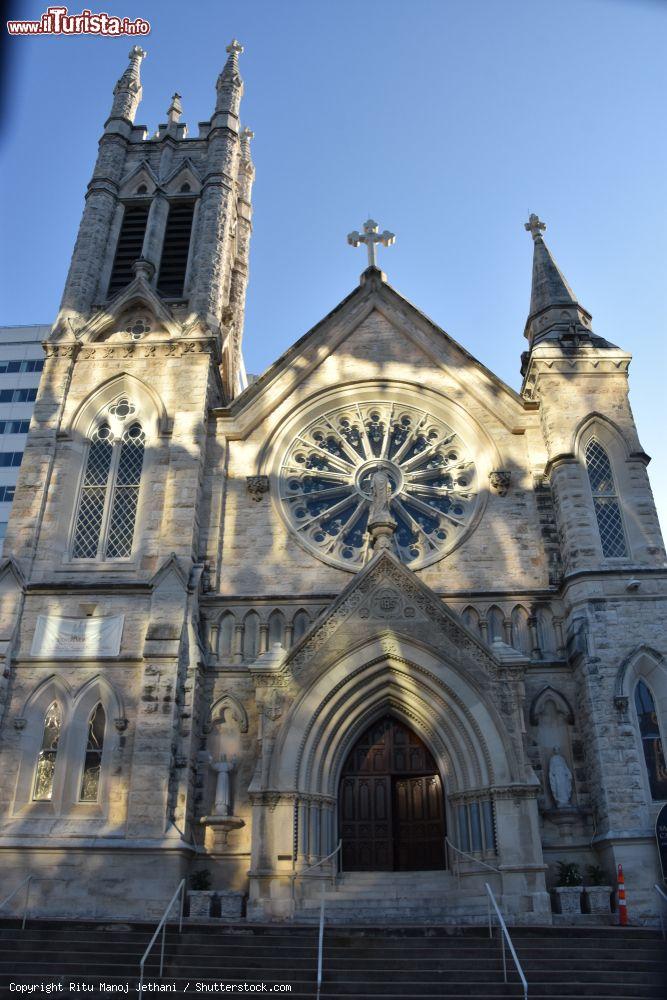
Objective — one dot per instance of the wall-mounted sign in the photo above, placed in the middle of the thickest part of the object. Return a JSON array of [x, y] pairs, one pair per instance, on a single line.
[[661, 837], [69, 638]]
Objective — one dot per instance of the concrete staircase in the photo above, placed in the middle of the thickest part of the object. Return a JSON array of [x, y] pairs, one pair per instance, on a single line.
[[403, 898], [359, 963]]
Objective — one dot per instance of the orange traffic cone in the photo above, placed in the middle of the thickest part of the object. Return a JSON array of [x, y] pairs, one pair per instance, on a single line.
[[622, 904]]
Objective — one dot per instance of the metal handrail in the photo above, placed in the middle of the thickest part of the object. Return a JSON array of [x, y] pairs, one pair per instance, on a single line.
[[663, 899], [27, 881], [470, 857], [295, 875], [163, 926], [504, 937], [320, 937]]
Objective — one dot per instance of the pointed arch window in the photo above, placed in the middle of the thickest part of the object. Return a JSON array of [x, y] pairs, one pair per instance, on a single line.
[[654, 754], [46, 761], [107, 509], [605, 501], [92, 765]]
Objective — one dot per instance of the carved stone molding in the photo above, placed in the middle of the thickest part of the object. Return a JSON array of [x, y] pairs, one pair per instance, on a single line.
[[61, 350], [120, 724], [174, 349], [20, 724], [257, 486], [499, 481]]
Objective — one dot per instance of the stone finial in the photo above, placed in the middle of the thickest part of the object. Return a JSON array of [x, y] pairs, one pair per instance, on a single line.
[[535, 226], [230, 85], [246, 136], [175, 110], [127, 92], [234, 48], [370, 238]]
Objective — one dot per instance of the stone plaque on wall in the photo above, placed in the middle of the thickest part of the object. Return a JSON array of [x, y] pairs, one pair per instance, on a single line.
[[69, 638]]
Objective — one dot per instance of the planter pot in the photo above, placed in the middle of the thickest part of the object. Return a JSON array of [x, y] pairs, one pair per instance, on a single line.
[[231, 905], [200, 902], [597, 898], [567, 899]]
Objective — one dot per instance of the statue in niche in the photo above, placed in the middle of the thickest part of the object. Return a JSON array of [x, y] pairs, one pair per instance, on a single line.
[[223, 787], [560, 779]]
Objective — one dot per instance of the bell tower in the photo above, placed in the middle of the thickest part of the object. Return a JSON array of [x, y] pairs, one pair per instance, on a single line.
[[173, 209]]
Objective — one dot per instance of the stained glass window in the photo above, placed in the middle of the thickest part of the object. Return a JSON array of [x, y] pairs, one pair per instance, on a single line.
[[46, 762], [328, 471], [605, 501], [110, 490], [90, 782], [654, 755]]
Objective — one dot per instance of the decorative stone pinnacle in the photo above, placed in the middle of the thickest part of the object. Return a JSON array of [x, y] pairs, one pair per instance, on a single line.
[[234, 47], [535, 226], [175, 109], [143, 269], [371, 237]]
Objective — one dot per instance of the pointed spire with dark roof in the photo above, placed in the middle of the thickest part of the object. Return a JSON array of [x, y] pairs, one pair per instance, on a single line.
[[554, 308], [230, 85]]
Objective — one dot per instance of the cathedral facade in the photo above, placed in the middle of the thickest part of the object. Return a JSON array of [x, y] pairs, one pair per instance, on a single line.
[[374, 613]]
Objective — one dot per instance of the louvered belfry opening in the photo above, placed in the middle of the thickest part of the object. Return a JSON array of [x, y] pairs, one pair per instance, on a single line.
[[175, 248], [129, 246]]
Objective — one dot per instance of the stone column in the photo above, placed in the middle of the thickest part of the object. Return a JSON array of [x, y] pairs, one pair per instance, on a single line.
[[237, 648], [155, 229], [263, 638], [534, 638]]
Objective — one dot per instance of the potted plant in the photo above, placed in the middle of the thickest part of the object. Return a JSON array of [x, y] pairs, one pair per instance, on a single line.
[[200, 894], [568, 888], [597, 891]]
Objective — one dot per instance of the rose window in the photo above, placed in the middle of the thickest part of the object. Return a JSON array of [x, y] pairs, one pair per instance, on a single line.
[[326, 482]]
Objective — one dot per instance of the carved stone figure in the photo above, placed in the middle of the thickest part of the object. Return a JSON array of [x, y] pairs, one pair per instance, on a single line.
[[560, 779], [379, 512], [223, 788], [381, 522]]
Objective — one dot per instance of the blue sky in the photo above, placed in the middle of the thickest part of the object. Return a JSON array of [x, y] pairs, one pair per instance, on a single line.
[[447, 120]]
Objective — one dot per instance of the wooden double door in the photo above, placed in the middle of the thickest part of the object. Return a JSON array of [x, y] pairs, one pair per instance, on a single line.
[[391, 803]]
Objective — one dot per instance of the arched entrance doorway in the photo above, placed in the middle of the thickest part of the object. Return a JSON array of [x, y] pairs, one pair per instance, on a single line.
[[391, 802]]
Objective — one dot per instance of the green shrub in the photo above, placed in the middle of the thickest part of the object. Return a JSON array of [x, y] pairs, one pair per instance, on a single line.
[[596, 875], [200, 880], [569, 873]]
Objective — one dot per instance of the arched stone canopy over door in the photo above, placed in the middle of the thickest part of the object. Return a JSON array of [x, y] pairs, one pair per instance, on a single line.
[[428, 672], [391, 813]]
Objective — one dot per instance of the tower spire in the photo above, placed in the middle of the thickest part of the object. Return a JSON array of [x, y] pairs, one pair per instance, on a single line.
[[127, 93], [554, 308], [230, 85]]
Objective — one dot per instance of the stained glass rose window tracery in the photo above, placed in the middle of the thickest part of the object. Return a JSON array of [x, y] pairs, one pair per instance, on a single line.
[[326, 479]]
